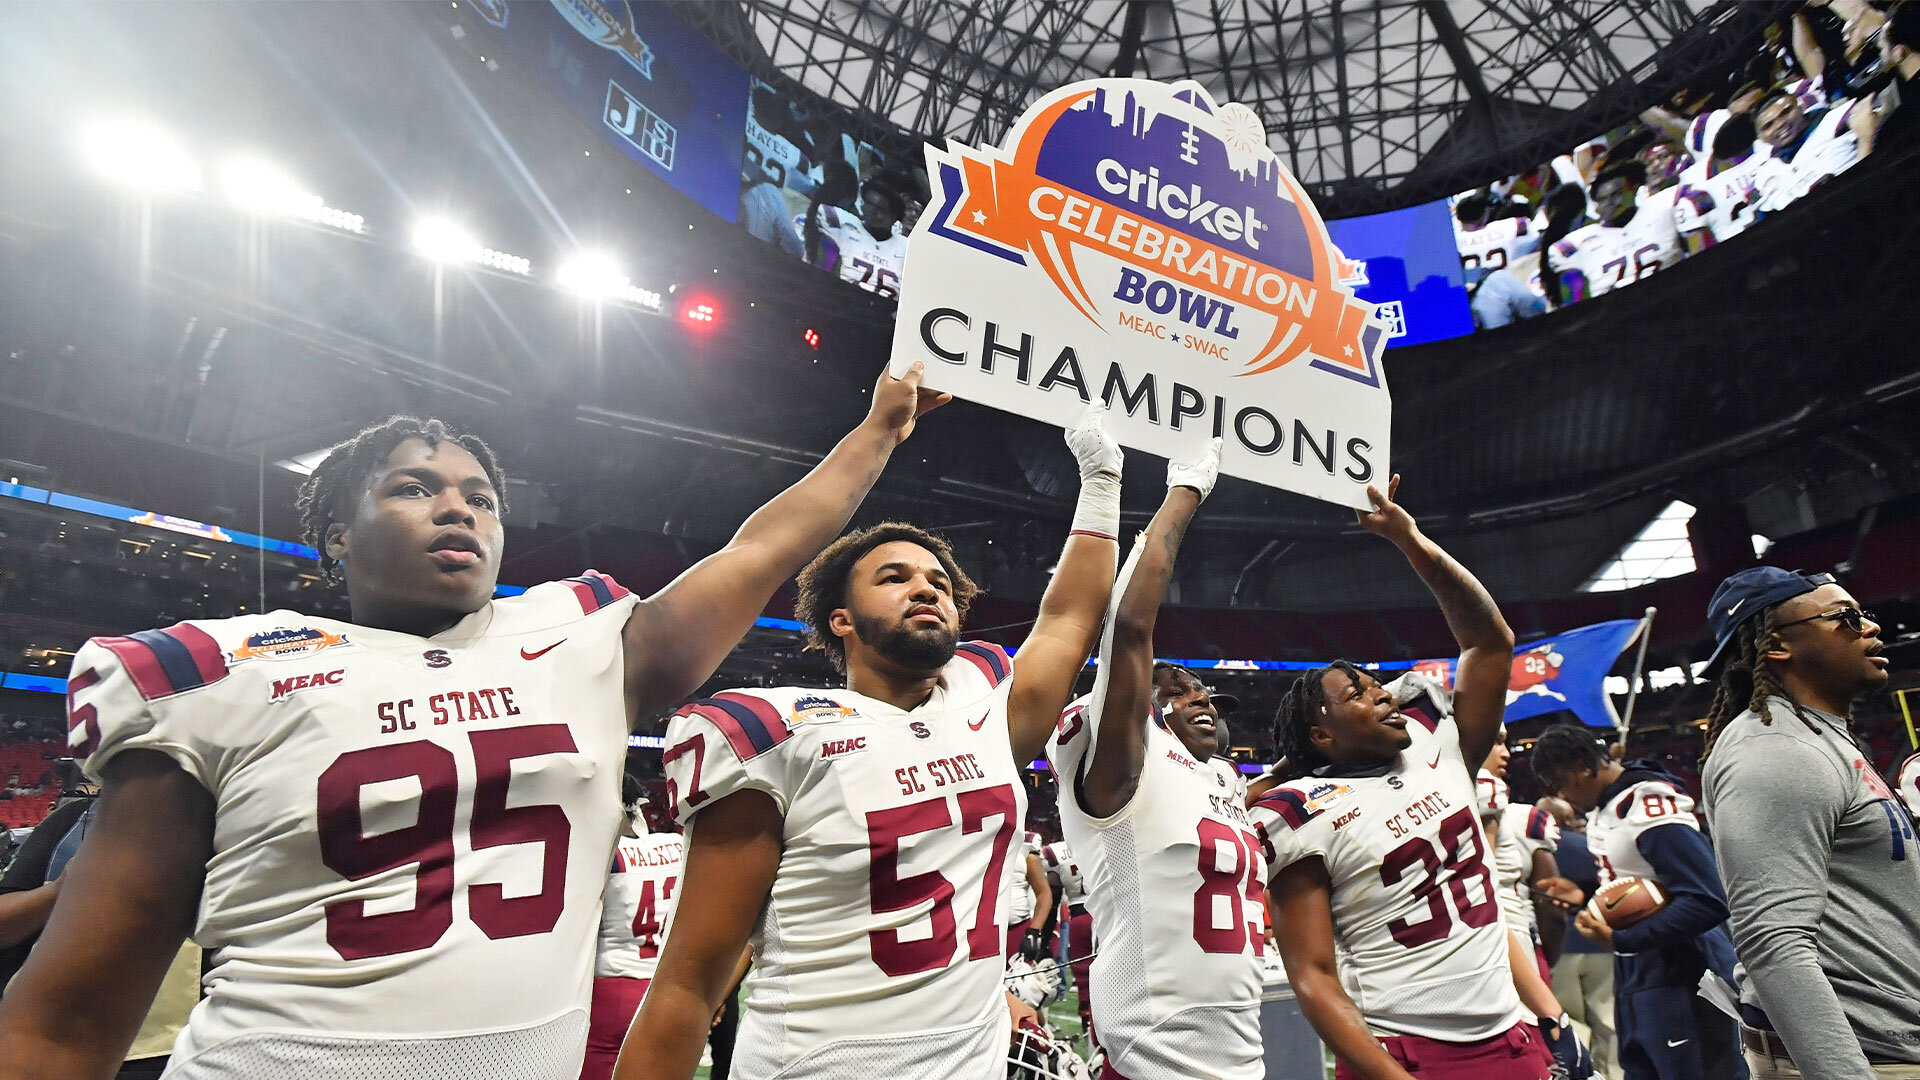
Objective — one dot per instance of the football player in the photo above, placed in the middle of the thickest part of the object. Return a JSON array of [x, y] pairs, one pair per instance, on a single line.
[[1175, 869], [869, 250], [1818, 143], [390, 834], [635, 920], [1524, 839], [1741, 182], [1031, 897], [1486, 246], [1643, 826], [1070, 885], [859, 836], [1377, 846], [1634, 238]]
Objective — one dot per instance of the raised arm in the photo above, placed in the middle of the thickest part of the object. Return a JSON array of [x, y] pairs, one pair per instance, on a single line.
[[678, 636], [1075, 602], [127, 901], [1485, 639], [1302, 898], [733, 849], [1120, 739]]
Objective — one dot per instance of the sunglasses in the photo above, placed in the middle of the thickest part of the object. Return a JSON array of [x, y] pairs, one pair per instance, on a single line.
[[1853, 618]]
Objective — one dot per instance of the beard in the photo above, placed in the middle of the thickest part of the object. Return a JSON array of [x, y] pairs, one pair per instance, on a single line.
[[907, 645]]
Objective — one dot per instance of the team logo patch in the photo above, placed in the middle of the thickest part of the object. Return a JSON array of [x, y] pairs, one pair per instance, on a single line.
[[919, 730], [819, 710], [285, 643], [309, 681], [837, 748], [437, 658], [1325, 794]]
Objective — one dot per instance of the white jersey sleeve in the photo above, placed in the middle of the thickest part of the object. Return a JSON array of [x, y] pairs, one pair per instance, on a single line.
[[437, 814], [641, 891], [1517, 832]]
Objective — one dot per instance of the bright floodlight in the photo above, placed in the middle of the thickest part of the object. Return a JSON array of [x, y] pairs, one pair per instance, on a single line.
[[264, 188], [592, 274], [138, 154], [443, 241]]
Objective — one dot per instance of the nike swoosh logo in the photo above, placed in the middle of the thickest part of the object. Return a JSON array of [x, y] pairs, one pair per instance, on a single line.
[[1435, 763], [976, 725], [1735, 607], [1615, 902], [1681, 1042], [525, 655]]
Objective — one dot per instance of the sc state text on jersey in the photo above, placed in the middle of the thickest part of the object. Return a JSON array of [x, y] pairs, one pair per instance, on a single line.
[[485, 703], [943, 772], [1417, 813]]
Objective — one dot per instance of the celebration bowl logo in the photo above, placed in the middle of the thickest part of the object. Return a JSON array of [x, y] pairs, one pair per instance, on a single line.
[[1153, 209], [285, 643]]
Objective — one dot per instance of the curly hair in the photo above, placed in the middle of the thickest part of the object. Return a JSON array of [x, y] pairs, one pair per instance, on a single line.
[[823, 584], [1566, 750], [1303, 703], [1748, 680], [327, 496]]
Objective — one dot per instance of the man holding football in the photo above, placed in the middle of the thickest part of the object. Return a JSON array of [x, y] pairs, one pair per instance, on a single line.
[[1643, 829]]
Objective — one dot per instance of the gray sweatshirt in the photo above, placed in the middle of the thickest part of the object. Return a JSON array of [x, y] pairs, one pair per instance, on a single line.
[[1822, 870]]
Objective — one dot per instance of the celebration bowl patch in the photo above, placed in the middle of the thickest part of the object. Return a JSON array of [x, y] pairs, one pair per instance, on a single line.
[[818, 710], [1322, 795], [285, 643]]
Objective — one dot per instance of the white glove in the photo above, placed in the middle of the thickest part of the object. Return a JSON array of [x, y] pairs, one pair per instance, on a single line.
[[1098, 511], [1198, 471], [1092, 447]]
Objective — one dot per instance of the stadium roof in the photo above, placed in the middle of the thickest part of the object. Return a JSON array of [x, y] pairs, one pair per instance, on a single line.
[[1361, 99]]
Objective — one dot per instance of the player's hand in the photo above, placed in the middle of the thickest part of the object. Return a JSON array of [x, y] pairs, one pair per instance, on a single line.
[[1387, 518], [1092, 447], [1593, 929], [1570, 1058], [897, 403], [1198, 470], [1034, 946], [1023, 1013], [1562, 890]]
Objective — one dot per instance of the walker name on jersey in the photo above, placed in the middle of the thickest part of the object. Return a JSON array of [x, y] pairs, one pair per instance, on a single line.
[[943, 772], [637, 856], [1418, 812], [486, 703]]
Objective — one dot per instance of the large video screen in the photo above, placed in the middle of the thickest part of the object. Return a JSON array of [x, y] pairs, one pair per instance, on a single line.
[[1405, 261], [1698, 171]]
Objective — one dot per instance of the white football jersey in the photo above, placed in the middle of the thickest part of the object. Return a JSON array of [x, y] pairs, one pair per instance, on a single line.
[[1831, 147], [1236, 779], [639, 909], [1523, 831], [1613, 831], [1064, 865], [1176, 885], [1020, 896], [880, 951], [1906, 783], [874, 265], [411, 834], [1608, 257], [1726, 201], [1494, 246], [1416, 915]]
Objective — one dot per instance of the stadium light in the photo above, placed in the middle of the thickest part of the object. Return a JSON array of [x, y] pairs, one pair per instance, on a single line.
[[812, 338], [700, 313], [592, 274], [138, 154], [445, 242], [261, 187]]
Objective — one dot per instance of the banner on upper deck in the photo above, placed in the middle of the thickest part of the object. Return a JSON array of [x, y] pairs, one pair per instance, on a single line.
[[1135, 243]]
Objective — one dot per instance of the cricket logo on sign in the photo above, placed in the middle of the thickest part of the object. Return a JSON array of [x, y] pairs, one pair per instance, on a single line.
[[1135, 243]]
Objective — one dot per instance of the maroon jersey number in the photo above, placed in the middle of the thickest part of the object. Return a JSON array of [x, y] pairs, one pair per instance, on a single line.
[[892, 892], [1455, 860]]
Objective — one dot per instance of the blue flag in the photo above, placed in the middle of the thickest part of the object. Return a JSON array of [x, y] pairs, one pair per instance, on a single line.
[[1567, 671]]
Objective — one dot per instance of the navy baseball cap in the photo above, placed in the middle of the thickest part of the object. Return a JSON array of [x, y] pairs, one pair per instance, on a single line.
[[1746, 594]]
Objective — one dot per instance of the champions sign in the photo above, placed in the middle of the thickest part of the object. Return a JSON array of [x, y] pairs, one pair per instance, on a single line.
[[1136, 244]]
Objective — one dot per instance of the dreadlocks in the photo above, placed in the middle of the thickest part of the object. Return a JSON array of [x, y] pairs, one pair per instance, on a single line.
[[1303, 704], [1748, 681], [1564, 751], [327, 496]]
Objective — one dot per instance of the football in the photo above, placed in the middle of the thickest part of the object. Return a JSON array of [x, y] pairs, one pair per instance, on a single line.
[[1626, 901]]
